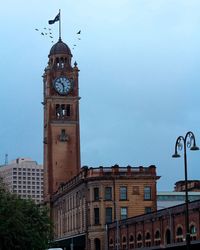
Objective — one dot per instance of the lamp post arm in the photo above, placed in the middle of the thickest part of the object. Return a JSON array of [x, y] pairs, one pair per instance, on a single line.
[[179, 145]]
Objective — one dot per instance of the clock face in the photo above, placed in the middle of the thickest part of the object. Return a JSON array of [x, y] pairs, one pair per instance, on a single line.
[[62, 85]]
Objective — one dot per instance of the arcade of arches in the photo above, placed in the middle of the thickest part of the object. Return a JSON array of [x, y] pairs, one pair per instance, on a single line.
[[162, 228]]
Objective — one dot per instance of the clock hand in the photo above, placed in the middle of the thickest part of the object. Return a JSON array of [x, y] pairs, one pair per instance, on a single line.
[[63, 86]]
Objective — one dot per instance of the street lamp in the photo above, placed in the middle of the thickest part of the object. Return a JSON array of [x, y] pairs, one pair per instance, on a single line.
[[182, 143]]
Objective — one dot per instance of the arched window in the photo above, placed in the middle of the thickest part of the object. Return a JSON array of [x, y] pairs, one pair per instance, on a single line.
[[193, 232], [139, 240], [124, 243], [168, 236], [157, 239], [148, 236], [131, 242], [179, 234], [147, 239], [57, 62], [97, 244], [111, 245], [62, 62]]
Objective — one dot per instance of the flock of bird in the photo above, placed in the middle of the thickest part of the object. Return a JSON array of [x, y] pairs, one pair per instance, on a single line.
[[48, 33]]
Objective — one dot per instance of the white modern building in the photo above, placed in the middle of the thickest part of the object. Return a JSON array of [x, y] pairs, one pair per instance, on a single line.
[[24, 177], [169, 199]]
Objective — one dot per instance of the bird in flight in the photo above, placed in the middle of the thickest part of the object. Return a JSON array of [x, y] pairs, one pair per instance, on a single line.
[[79, 32], [37, 29]]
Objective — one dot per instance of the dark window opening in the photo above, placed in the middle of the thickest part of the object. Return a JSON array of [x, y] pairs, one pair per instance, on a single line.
[[63, 111], [148, 210], [108, 193], [68, 110], [108, 214], [96, 216], [96, 194], [57, 62], [168, 237]]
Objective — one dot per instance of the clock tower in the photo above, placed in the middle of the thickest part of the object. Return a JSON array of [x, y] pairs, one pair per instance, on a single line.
[[61, 119]]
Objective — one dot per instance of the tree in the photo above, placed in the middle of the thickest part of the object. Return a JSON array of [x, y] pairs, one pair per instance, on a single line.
[[23, 224]]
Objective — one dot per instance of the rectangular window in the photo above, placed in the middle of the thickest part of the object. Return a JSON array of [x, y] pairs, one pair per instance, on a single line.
[[68, 109], [96, 216], [96, 194], [147, 193], [123, 193], [148, 210], [124, 213], [108, 215], [108, 193]]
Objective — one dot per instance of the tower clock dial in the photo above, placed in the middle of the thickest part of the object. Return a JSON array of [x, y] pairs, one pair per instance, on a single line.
[[62, 85]]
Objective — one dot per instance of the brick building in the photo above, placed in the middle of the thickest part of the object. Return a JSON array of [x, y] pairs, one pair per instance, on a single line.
[[192, 185], [161, 229], [83, 200], [96, 196]]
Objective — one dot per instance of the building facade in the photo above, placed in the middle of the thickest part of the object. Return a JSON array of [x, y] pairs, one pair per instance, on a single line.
[[192, 186], [61, 119], [83, 200], [169, 199], [83, 206], [161, 229], [24, 177]]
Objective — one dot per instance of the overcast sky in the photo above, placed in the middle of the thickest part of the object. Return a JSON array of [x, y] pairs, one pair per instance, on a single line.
[[139, 64]]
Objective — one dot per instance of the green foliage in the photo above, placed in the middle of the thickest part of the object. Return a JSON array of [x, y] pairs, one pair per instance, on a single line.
[[23, 224]]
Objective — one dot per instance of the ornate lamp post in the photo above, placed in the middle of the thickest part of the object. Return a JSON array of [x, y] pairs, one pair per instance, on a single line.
[[183, 143]]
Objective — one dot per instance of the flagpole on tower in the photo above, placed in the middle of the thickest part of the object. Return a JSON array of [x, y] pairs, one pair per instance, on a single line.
[[56, 19], [59, 25]]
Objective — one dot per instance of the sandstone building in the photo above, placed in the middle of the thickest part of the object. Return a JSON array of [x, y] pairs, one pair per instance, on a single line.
[[83, 200], [83, 206]]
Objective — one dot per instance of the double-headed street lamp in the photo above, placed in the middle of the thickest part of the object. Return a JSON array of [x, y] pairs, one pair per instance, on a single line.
[[183, 143]]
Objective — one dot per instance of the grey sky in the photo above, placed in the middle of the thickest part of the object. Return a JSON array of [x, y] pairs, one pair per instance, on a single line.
[[139, 79]]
